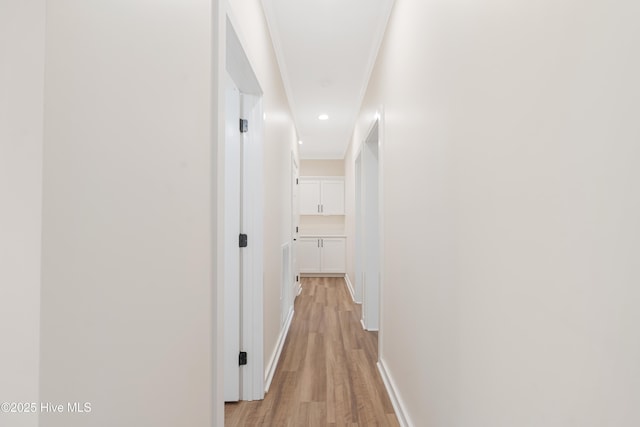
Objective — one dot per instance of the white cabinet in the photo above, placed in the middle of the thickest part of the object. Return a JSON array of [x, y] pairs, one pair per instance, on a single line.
[[321, 196], [308, 255], [310, 196], [332, 197], [321, 254], [333, 255]]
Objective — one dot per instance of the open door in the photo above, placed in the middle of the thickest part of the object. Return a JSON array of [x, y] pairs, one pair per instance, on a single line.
[[232, 212]]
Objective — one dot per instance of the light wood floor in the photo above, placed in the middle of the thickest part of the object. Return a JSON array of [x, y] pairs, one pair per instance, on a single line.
[[327, 374]]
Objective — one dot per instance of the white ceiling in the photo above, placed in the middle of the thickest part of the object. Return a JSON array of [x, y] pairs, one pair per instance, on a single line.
[[326, 50]]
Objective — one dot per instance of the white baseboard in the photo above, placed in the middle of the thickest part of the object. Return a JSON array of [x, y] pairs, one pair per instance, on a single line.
[[350, 287], [364, 327], [275, 357], [396, 401]]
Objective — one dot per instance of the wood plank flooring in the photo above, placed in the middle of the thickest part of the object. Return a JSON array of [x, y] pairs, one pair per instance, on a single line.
[[327, 374]]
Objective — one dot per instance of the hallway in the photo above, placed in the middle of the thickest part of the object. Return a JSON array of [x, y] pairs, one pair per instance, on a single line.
[[327, 373], [489, 149]]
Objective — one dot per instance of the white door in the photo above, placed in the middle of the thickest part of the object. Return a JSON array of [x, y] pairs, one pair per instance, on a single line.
[[309, 255], [309, 196], [333, 255], [295, 222], [332, 197], [232, 150]]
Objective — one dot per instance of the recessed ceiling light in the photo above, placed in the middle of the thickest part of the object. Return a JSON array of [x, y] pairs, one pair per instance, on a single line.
[[323, 117], [300, 142]]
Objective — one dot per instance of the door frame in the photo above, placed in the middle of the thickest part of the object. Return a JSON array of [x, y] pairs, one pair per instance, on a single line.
[[232, 254], [234, 60], [380, 119], [358, 270], [370, 230], [358, 240], [377, 125]]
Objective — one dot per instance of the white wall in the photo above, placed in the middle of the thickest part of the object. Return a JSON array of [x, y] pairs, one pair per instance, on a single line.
[[317, 224], [127, 221], [21, 100], [324, 167], [279, 140], [510, 160]]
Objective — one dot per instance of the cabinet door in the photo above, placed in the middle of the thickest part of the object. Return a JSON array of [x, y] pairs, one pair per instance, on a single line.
[[333, 255], [308, 255], [332, 197], [309, 197]]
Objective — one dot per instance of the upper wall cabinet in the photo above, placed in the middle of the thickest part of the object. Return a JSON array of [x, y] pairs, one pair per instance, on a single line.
[[321, 196]]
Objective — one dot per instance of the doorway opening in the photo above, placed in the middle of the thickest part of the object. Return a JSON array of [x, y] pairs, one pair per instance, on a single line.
[[368, 229], [359, 279]]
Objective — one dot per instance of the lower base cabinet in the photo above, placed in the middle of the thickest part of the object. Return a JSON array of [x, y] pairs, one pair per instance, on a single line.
[[321, 254]]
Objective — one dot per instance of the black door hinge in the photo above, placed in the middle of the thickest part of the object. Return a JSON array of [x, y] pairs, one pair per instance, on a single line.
[[243, 240], [297, 279], [297, 181], [296, 229], [242, 360], [244, 125]]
